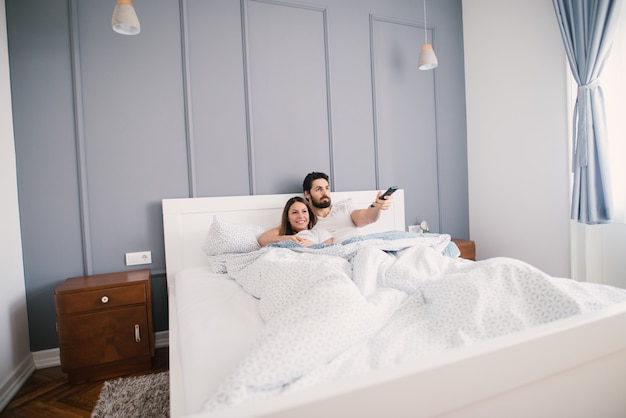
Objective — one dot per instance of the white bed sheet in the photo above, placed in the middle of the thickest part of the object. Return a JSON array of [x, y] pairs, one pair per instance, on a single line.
[[214, 305]]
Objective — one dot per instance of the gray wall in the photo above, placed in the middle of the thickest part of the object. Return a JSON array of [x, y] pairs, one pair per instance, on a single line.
[[219, 98]]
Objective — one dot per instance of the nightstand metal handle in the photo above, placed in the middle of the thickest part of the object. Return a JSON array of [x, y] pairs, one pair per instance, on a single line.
[[104, 299], [137, 334]]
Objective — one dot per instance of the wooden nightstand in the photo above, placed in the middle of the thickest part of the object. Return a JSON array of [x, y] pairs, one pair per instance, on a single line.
[[467, 248], [104, 324]]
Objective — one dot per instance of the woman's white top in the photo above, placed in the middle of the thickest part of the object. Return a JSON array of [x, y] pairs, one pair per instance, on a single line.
[[317, 236]]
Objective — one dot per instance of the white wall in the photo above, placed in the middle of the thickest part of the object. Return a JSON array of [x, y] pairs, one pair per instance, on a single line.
[[517, 128], [15, 357]]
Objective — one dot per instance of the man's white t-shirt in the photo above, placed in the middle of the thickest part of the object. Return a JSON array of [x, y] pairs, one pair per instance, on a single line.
[[317, 236], [338, 222]]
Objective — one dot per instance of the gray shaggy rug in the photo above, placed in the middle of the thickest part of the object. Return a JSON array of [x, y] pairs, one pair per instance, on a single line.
[[140, 396]]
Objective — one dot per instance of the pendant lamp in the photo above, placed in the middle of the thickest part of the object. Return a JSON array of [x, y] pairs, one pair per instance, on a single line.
[[125, 19], [427, 59]]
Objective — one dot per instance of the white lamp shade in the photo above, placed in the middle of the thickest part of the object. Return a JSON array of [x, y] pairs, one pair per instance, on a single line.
[[125, 19], [427, 59]]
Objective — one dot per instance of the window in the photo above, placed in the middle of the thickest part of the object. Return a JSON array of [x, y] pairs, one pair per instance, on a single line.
[[613, 84]]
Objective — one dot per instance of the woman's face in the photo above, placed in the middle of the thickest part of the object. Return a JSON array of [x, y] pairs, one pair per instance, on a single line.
[[298, 216]]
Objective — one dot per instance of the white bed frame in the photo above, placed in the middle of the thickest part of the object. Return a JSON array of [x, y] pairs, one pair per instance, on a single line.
[[574, 367]]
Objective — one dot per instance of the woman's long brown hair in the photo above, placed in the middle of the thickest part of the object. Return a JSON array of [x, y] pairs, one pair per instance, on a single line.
[[285, 226]]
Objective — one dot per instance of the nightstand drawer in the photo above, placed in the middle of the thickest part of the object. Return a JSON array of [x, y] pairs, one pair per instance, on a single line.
[[91, 300], [104, 337]]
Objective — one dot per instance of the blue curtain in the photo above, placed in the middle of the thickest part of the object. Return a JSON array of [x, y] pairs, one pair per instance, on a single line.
[[588, 28]]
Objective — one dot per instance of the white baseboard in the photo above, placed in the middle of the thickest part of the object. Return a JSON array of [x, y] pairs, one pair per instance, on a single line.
[[51, 358], [46, 358], [15, 381], [161, 339]]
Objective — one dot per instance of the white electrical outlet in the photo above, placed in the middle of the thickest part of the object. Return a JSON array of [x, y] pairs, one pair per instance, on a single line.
[[142, 257]]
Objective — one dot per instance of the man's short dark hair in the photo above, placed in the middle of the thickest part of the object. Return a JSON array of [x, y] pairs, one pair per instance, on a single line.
[[310, 178]]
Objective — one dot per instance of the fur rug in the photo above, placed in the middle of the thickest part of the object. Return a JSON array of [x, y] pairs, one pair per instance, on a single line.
[[140, 396]]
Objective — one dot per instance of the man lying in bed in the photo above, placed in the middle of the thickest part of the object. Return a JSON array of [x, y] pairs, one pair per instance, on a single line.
[[340, 220]]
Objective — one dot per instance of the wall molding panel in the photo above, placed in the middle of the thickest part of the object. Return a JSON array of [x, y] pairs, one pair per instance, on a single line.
[[405, 114], [79, 128], [186, 75], [288, 91]]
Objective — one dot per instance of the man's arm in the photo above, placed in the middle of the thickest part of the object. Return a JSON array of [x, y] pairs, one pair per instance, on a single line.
[[363, 217]]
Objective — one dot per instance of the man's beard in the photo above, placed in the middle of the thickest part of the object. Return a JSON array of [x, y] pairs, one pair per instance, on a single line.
[[319, 204]]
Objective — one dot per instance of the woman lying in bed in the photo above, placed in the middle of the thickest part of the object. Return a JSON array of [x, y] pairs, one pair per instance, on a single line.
[[297, 222]]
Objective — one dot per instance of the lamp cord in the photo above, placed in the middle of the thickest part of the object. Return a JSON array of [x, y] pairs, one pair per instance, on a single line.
[[425, 30]]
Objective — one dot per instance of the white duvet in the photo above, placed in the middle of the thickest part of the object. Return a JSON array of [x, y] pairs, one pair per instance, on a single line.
[[340, 310]]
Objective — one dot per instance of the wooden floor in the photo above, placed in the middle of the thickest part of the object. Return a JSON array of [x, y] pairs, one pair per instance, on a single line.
[[48, 394]]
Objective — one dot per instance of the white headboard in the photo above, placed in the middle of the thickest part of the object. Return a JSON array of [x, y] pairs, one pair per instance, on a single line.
[[187, 221]]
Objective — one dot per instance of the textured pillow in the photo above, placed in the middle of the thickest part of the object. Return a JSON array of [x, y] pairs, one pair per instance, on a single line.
[[224, 238]]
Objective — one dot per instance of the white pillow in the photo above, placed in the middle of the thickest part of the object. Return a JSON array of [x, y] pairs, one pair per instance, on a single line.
[[224, 238]]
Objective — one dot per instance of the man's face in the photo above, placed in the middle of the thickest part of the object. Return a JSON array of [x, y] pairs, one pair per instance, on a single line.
[[319, 195]]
